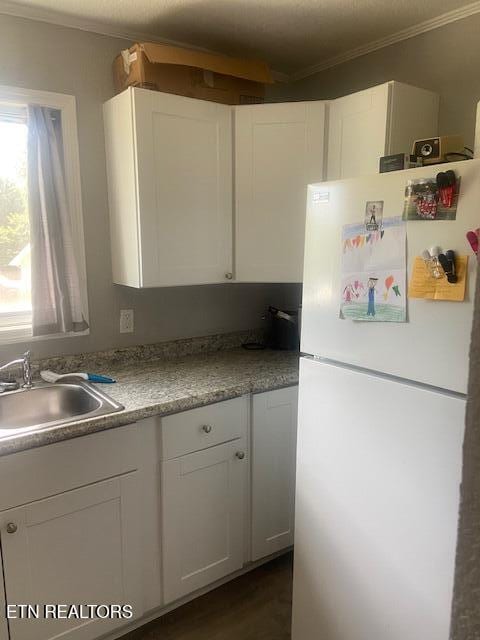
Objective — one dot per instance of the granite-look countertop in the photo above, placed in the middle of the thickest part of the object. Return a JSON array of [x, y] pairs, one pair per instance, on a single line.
[[160, 387]]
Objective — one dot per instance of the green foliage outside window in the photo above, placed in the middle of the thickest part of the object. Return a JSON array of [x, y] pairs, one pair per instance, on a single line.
[[14, 221]]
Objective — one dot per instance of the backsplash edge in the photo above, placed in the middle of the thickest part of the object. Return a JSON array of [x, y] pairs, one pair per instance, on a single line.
[[99, 361]]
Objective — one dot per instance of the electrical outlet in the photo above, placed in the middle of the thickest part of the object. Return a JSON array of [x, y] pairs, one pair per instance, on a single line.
[[126, 321]]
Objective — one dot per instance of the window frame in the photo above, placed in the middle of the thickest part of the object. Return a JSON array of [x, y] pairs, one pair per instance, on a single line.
[[66, 104]]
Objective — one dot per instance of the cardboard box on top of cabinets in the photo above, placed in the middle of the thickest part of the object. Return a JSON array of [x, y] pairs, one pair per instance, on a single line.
[[195, 74]]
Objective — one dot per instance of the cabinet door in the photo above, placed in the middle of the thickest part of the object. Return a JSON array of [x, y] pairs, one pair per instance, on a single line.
[[203, 517], [184, 174], [279, 150], [357, 133], [413, 116], [274, 437], [79, 547], [4, 635]]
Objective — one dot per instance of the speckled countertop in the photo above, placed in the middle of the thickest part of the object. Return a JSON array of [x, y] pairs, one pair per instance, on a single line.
[[160, 387]]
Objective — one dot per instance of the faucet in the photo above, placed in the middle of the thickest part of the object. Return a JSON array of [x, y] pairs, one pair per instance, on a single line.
[[26, 371]]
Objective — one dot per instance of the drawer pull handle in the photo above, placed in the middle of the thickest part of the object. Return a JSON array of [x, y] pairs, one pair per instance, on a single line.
[[240, 455], [229, 276], [11, 527], [207, 428]]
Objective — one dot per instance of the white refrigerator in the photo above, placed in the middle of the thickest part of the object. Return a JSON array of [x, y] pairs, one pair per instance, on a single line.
[[380, 431]]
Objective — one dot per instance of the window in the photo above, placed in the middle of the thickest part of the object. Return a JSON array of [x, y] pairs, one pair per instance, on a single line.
[[15, 247], [15, 281]]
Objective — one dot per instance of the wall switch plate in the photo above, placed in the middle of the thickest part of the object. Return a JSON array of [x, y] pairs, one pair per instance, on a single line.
[[126, 321]]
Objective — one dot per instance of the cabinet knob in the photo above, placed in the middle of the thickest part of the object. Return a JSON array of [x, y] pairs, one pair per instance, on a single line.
[[207, 428], [229, 275], [240, 455], [11, 527]]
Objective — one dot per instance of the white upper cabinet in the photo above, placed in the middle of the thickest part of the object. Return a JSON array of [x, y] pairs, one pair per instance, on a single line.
[[380, 121], [193, 182], [169, 162], [279, 149]]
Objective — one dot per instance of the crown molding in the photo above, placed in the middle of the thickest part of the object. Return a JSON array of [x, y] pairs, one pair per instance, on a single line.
[[72, 22], [399, 36], [279, 76], [44, 15]]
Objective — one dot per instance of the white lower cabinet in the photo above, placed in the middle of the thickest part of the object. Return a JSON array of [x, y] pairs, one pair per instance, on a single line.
[[203, 517], [74, 530], [145, 514], [81, 546], [3, 620], [273, 444], [204, 493]]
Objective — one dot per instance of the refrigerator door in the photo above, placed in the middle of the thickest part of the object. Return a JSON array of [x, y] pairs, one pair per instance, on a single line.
[[377, 500], [432, 347]]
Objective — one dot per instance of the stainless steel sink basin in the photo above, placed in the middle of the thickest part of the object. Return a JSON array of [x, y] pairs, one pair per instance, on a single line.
[[48, 405]]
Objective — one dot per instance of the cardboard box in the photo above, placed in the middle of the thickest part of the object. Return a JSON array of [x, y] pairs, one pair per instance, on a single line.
[[191, 73]]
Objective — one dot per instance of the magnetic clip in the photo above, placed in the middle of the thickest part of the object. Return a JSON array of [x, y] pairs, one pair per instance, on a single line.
[[430, 257], [473, 239], [447, 260], [447, 187]]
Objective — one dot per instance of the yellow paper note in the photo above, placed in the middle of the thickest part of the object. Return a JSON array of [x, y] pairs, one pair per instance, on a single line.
[[423, 285]]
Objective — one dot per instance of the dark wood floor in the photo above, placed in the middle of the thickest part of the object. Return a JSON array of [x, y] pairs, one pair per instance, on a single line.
[[256, 606]]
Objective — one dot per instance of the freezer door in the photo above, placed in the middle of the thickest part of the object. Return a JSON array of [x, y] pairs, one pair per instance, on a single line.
[[377, 500], [432, 347]]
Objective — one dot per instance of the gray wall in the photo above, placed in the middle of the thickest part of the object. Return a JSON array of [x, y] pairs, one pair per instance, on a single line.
[[445, 60], [44, 56]]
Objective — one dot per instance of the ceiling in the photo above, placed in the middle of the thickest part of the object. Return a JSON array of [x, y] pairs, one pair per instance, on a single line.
[[292, 35]]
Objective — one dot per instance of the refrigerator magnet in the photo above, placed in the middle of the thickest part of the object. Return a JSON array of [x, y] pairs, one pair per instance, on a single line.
[[373, 215], [425, 199]]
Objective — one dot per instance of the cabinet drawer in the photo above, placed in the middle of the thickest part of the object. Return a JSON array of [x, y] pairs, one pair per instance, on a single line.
[[38, 473], [204, 427]]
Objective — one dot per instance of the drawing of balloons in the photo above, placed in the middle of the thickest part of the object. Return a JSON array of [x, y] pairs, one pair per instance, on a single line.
[[388, 284]]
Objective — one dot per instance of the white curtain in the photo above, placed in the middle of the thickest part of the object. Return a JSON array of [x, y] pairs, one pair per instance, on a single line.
[[56, 300]]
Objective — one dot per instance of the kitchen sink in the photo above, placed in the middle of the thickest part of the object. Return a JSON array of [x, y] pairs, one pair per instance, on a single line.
[[48, 405]]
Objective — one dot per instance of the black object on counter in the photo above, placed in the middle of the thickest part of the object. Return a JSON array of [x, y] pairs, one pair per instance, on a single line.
[[283, 332], [253, 346]]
